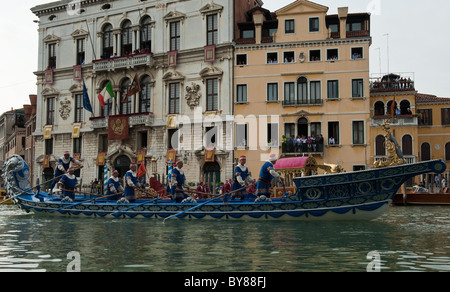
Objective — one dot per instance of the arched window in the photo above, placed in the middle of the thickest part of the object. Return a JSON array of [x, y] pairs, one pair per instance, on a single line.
[[379, 108], [145, 96], [389, 107], [302, 90], [108, 41], [125, 102], [146, 34], [447, 151], [127, 38], [380, 148], [404, 106], [425, 152], [407, 146]]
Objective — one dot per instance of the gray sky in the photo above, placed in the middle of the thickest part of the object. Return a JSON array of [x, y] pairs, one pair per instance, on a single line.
[[418, 42]]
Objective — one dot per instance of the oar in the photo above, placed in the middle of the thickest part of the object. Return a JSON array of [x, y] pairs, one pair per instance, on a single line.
[[207, 202], [84, 202]]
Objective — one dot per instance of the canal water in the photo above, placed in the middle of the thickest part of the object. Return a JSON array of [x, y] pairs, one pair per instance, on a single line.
[[405, 239]]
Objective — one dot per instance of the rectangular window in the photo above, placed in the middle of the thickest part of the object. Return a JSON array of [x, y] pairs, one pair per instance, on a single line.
[[77, 143], [242, 135], [79, 109], [316, 92], [174, 98], [241, 93], [272, 135], [241, 60], [289, 57], [316, 129], [107, 111], [175, 36], [49, 146], [272, 58], [358, 133], [333, 133], [52, 56], [425, 117], [332, 54], [289, 26], [314, 56], [357, 88], [272, 92], [81, 49], [51, 111], [333, 89], [314, 24], [445, 116], [289, 93], [357, 53], [212, 98], [212, 37], [248, 34], [289, 130]]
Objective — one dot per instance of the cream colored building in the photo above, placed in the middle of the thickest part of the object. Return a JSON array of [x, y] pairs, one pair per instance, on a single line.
[[302, 72]]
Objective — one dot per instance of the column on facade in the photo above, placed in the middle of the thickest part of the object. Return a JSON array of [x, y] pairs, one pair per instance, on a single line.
[[117, 42], [136, 37]]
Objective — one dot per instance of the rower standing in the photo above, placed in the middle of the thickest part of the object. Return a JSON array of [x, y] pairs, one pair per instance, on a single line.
[[178, 182], [131, 180], [69, 183], [266, 176], [242, 178], [114, 187], [62, 168]]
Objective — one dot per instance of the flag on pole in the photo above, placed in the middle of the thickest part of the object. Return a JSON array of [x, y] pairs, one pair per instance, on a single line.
[[106, 94], [393, 107], [134, 88], [86, 101], [142, 171]]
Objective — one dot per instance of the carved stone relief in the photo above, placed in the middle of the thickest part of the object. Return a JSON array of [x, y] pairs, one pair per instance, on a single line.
[[65, 109], [193, 95]]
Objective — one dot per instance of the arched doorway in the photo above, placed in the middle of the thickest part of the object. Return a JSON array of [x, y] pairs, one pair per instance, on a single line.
[[211, 175], [303, 127], [122, 165]]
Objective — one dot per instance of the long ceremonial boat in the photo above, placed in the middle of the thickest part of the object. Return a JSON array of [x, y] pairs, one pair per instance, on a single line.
[[363, 195]]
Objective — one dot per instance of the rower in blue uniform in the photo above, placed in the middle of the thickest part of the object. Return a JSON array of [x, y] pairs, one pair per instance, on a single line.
[[114, 187], [131, 180], [178, 182], [267, 176], [242, 179], [68, 184], [62, 166]]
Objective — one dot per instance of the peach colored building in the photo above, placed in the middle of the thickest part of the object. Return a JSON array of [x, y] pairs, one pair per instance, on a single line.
[[302, 85]]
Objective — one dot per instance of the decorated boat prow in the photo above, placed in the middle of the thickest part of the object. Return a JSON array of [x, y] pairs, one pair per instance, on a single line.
[[363, 195]]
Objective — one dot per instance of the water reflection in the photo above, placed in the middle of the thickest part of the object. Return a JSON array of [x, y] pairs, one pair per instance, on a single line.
[[408, 239]]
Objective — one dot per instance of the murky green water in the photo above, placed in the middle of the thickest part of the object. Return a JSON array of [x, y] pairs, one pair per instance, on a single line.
[[407, 239]]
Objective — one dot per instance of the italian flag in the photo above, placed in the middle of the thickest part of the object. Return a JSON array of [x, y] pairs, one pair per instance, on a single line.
[[106, 94]]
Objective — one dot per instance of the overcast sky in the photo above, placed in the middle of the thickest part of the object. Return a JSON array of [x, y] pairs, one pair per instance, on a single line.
[[419, 42]]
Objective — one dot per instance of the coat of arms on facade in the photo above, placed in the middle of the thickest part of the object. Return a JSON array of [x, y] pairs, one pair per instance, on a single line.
[[65, 109], [193, 95]]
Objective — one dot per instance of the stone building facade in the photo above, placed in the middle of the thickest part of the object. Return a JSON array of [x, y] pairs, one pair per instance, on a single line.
[[181, 53]]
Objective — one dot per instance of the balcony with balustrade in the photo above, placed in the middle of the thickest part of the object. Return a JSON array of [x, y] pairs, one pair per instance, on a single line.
[[124, 62], [139, 119]]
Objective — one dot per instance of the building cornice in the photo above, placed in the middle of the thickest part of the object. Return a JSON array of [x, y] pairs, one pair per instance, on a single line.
[[58, 6], [305, 44]]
